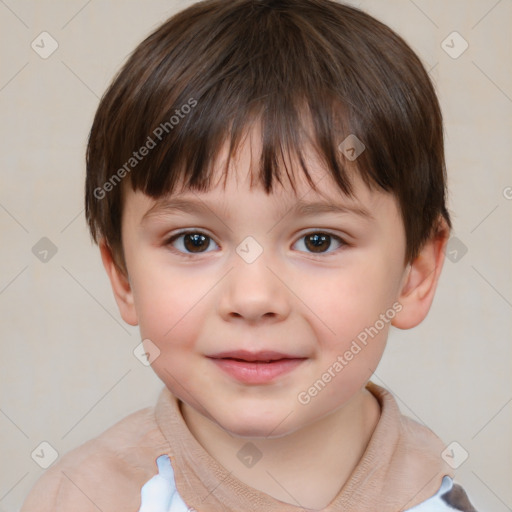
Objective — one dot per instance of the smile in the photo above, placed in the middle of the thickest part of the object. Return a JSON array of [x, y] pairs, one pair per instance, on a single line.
[[257, 372]]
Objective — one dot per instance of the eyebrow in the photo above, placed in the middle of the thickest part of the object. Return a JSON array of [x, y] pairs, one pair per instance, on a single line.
[[300, 208]]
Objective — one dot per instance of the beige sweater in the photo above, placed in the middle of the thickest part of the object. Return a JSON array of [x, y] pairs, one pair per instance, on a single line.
[[401, 467]]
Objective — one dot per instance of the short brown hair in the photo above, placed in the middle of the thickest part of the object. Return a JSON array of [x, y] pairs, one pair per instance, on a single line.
[[205, 74]]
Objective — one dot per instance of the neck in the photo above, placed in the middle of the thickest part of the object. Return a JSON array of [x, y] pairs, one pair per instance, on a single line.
[[307, 467]]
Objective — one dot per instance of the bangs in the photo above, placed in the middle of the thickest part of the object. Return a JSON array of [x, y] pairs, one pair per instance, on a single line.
[[287, 130]]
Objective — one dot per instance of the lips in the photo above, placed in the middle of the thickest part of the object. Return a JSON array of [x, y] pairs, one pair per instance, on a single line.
[[256, 368], [262, 356]]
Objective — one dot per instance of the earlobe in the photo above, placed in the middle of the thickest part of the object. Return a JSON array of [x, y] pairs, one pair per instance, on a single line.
[[120, 283], [420, 280]]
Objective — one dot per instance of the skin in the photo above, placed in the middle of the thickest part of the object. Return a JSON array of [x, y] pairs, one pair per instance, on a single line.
[[290, 299]]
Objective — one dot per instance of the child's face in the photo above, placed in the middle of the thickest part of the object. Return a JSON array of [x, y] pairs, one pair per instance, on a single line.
[[196, 301]]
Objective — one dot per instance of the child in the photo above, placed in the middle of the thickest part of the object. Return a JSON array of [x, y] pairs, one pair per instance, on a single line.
[[265, 302]]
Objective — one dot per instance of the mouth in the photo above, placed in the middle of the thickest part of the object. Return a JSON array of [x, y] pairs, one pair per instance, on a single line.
[[262, 356], [256, 367]]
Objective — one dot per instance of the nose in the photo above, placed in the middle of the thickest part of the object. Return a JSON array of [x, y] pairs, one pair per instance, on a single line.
[[253, 292]]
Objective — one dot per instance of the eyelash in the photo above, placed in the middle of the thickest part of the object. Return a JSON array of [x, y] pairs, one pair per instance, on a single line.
[[176, 236]]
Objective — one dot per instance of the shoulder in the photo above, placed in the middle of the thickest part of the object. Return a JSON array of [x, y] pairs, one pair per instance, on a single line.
[[449, 497], [105, 473]]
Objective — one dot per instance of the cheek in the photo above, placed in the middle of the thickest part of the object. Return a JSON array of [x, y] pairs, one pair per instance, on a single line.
[[346, 302], [171, 318], [159, 298], [171, 305]]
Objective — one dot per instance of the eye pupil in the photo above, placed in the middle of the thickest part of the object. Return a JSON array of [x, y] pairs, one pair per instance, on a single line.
[[197, 241], [318, 241]]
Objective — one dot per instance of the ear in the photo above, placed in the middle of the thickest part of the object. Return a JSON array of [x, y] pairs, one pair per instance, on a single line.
[[420, 280], [120, 283]]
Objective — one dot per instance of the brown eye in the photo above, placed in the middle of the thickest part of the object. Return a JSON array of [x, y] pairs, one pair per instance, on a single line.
[[320, 243], [190, 242], [195, 242]]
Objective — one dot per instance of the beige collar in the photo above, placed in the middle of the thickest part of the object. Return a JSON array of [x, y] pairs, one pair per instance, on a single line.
[[401, 467]]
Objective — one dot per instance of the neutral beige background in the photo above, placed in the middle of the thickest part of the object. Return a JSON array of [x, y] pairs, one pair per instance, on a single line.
[[67, 368]]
